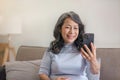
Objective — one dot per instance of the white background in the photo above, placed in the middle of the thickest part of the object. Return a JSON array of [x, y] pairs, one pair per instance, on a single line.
[[101, 17]]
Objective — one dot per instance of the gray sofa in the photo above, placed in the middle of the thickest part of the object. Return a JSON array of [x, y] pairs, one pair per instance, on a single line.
[[110, 64]]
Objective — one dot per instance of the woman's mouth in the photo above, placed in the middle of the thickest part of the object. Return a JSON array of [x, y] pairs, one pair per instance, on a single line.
[[70, 36]]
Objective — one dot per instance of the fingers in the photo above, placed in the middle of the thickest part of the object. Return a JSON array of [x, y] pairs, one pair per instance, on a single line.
[[63, 78], [84, 54], [89, 54], [93, 49], [88, 50]]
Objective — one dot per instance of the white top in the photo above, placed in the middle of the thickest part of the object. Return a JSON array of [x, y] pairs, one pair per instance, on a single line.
[[68, 63]]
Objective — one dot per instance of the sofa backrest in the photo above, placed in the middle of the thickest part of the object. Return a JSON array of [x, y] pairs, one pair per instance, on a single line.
[[26, 53], [110, 64]]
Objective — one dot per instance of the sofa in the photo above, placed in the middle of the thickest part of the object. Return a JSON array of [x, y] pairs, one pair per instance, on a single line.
[[28, 61]]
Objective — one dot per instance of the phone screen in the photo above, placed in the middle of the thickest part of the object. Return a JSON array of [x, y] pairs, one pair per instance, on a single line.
[[87, 39]]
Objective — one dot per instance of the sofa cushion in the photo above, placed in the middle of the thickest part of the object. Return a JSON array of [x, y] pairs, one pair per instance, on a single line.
[[22, 70]]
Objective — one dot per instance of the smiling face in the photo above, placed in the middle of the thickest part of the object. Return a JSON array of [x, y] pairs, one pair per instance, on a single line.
[[69, 31]]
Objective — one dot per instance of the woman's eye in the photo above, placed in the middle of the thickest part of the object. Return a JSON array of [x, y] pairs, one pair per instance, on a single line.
[[67, 27], [75, 28]]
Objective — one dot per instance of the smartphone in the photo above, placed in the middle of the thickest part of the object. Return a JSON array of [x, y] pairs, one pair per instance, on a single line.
[[87, 39]]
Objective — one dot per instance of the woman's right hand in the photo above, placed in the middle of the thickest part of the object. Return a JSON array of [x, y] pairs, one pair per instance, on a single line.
[[62, 78]]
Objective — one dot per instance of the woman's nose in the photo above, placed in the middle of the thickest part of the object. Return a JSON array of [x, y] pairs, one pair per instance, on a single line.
[[71, 30]]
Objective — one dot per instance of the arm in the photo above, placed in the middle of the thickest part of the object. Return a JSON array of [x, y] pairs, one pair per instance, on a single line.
[[90, 56], [45, 65], [95, 67]]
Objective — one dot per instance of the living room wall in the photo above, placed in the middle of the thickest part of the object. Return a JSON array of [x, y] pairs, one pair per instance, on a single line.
[[101, 17]]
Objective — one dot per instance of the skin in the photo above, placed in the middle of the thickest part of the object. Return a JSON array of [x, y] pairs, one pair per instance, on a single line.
[[69, 32], [91, 57]]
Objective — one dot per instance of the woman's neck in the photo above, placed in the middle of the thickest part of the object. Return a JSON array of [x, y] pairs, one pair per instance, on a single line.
[[68, 44]]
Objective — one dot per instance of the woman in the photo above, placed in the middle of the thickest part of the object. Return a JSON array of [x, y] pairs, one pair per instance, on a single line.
[[66, 59]]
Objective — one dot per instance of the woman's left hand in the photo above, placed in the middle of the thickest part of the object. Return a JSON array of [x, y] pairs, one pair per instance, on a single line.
[[90, 55]]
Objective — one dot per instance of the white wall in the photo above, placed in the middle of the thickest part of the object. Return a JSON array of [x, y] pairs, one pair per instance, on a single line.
[[101, 17]]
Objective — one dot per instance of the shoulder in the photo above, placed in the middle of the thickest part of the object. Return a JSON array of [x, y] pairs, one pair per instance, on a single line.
[[48, 52]]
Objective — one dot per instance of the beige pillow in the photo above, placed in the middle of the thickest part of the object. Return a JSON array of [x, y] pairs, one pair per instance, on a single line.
[[22, 70]]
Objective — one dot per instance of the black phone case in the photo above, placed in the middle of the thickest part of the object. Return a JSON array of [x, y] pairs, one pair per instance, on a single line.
[[87, 39]]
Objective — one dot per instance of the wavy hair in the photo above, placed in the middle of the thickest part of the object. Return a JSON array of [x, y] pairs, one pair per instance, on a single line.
[[58, 43]]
